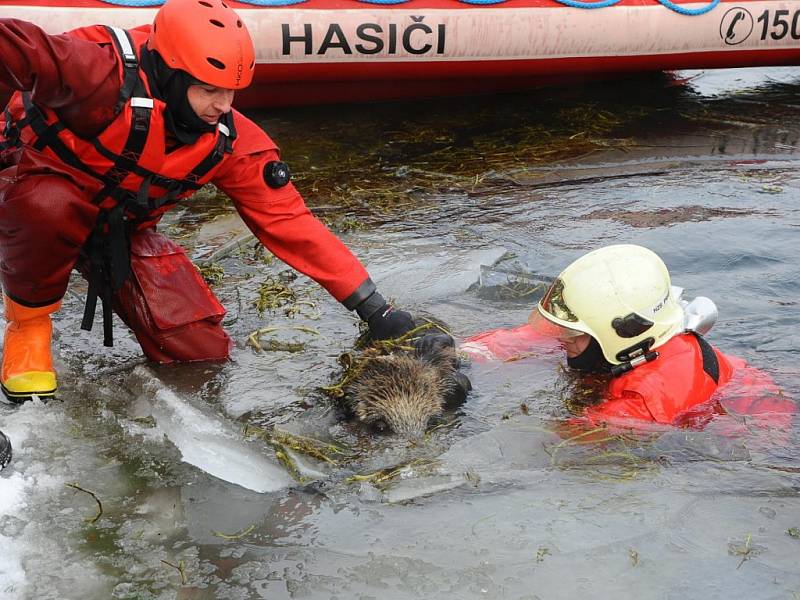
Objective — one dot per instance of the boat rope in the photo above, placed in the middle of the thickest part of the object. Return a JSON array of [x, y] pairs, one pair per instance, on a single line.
[[692, 12], [271, 2]]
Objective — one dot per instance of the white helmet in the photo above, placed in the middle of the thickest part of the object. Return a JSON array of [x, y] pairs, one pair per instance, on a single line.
[[621, 296]]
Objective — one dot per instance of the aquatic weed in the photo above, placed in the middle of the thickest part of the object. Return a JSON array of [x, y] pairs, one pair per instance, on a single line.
[[541, 553], [611, 454], [212, 273], [273, 345], [744, 550], [633, 555], [273, 293], [78, 488], [234, 536], [180, 567], [327, 452], [388, 474]]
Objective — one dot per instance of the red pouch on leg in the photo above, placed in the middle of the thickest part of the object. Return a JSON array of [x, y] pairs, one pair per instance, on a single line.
[[171, 310]]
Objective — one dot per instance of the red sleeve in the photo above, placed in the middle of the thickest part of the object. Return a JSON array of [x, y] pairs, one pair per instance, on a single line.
[[508, 344], [77, 78], [281, 220]]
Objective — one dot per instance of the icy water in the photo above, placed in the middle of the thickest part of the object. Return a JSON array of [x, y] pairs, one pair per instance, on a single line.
[[700, 166]]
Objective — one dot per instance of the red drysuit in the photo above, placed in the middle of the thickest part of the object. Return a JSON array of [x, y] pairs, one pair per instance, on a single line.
[[687, 384], [67, 172]]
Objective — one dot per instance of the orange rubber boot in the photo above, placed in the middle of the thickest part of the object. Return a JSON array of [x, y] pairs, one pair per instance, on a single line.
[[27, 362]]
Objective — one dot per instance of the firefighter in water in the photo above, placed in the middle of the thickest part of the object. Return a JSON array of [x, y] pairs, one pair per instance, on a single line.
[[617, 316], [108, 129]]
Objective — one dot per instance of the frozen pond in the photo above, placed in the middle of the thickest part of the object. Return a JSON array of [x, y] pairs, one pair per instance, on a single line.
[[702, 167]]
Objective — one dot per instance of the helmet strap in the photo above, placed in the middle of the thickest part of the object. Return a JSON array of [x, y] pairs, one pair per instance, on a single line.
[[638, 349], [633, 356], [630, 365]]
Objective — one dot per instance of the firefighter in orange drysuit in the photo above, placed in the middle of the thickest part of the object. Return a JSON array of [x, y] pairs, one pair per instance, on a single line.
[[106, 131], [616, 314]]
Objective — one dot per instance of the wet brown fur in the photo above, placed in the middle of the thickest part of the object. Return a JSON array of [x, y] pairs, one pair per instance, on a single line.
[[404, 391]]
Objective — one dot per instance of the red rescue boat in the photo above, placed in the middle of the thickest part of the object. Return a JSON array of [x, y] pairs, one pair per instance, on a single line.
[[321, 51]]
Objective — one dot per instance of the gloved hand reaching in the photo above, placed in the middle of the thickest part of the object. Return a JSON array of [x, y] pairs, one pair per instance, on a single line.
[[385, 322]]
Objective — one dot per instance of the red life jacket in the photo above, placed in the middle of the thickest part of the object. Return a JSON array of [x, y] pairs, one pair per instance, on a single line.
[[127, 165]]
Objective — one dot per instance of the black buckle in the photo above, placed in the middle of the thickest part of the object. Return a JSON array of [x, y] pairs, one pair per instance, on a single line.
[[130, 61], [141, 118]]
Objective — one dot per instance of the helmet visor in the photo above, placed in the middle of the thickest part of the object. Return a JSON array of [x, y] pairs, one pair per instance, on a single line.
[[554, 304], [545, 327]]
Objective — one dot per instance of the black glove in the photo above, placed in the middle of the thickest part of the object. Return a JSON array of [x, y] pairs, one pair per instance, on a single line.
[[384, 321], [387, 323]]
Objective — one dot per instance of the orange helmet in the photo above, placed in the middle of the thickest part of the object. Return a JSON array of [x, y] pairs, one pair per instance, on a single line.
[[206, 39]]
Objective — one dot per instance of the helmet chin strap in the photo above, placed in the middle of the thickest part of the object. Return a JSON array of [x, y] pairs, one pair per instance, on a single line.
[[633, 356], [631, 364]]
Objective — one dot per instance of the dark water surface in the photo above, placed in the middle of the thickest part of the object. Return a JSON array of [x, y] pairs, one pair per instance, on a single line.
[[699, 166]]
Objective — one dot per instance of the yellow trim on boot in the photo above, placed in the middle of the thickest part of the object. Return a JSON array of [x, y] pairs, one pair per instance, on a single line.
[[22, 387]]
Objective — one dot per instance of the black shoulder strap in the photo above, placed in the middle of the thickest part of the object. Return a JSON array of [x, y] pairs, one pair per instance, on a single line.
[[132, 90], [710, 360], [130, 64]]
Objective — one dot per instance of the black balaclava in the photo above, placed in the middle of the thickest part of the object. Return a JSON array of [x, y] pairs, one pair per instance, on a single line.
[[170, 86], [590, 360]]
